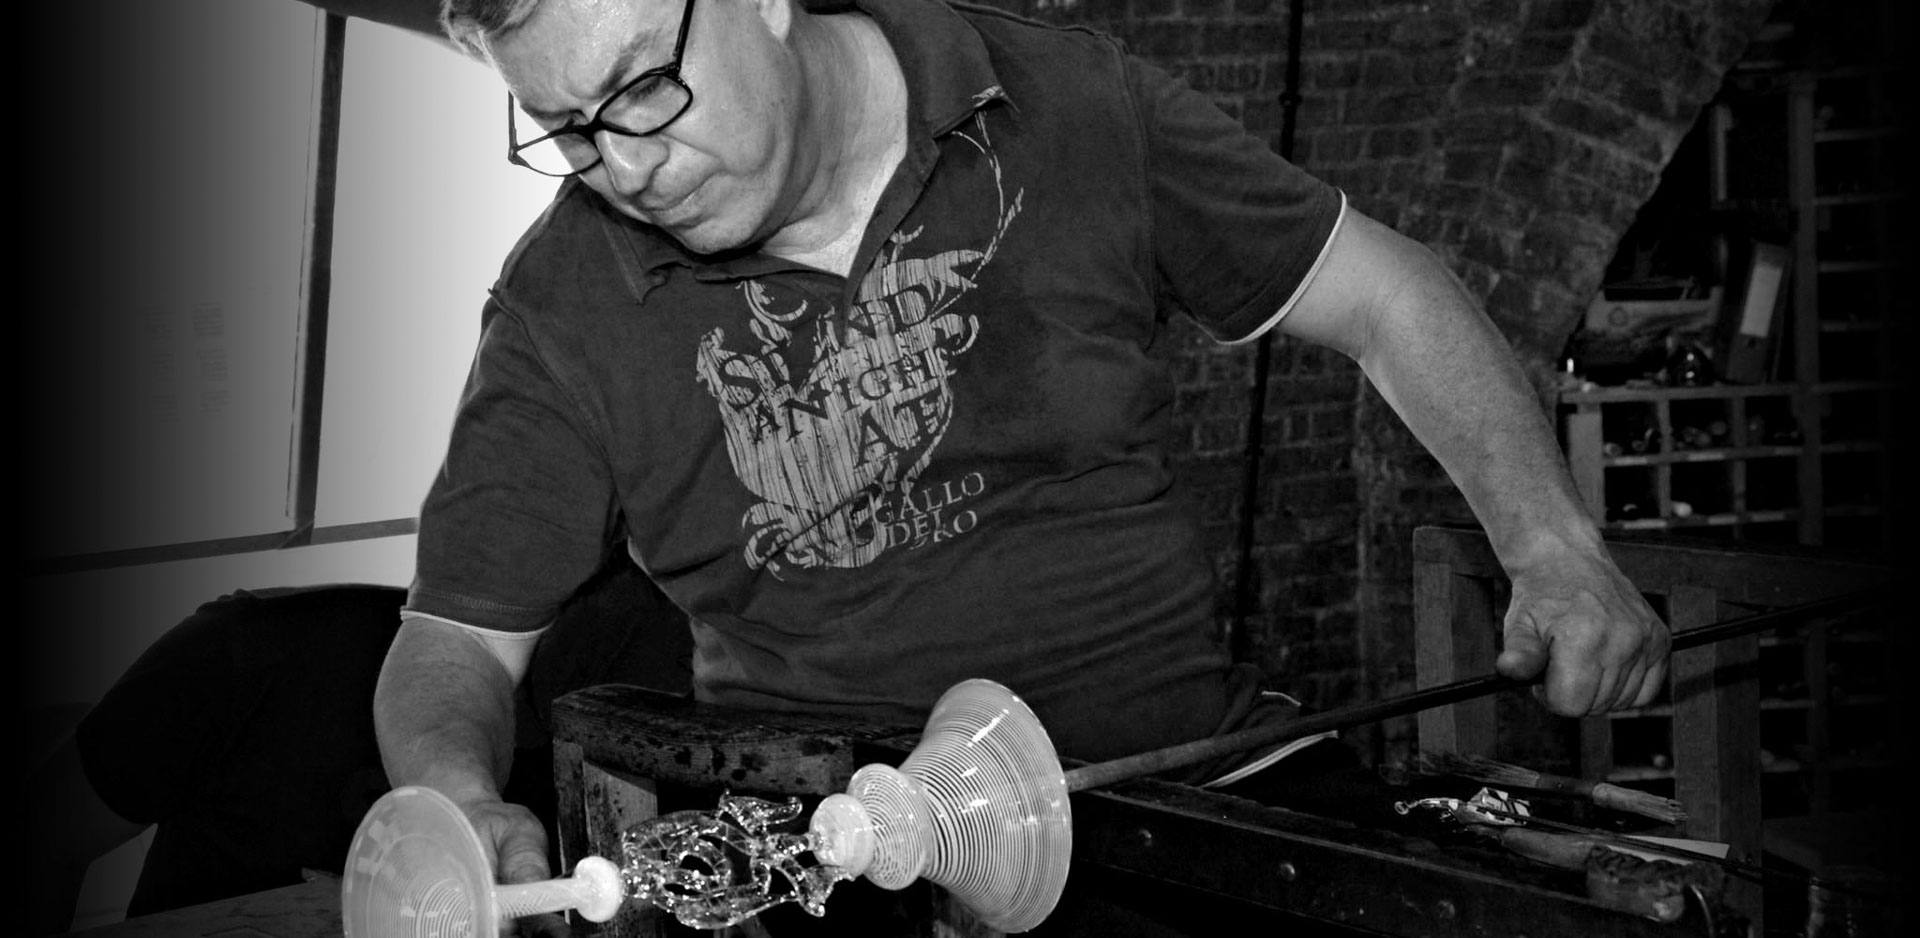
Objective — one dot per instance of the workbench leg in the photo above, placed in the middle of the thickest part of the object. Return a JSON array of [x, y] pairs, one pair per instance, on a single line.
[[1716, 740], [1455, 637]]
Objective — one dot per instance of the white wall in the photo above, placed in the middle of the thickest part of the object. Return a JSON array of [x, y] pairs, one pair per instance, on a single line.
[[427, 209]]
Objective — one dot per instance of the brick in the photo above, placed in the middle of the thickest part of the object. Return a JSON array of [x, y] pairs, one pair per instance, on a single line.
[[1250, 36], [1629, 87], [1503, 90], [1200, 76], [1246, 75], [1198, 400], [1295, 358], [1528, 177], [1309, 390], [1329, 538], [1332, 422], [1338, 146], [1360, 180], [1420, 33], [1262, 112], [1573, 229], [1484, 127], [1326, 32], [1589, 117], [1492, 11], [1206, 9], [1322, 660], [1560, 15], [1532, 52], [1311, 493], [1340, 623], [1388, 68], [1228, 365], [1395, 106], [1162, 41], [1435, 70], [1295, 426], [1324, 70], [1488, 247], [1307, 460], [1473, 165]]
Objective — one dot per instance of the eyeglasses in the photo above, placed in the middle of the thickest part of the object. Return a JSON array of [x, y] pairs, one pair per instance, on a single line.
[[646, 105]]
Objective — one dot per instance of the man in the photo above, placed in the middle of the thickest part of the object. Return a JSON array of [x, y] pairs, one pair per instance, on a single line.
[[839, 327]]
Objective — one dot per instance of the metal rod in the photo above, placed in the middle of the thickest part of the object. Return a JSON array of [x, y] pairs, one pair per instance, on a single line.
[[1238, 638], [1213, 747]]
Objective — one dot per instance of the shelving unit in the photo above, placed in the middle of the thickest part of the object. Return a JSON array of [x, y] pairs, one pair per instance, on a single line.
[[1764, 462], [1814, 159], [1808, 152]]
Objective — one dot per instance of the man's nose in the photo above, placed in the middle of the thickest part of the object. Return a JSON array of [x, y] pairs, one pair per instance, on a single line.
[[630, 160]]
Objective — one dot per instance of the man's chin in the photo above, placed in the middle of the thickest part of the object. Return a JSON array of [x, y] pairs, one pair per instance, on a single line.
[[709, 237]]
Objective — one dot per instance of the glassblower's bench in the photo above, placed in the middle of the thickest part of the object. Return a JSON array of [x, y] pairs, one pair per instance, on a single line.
[[624, 754]]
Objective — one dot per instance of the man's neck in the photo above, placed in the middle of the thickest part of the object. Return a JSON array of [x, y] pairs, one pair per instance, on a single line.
[[858, 132]]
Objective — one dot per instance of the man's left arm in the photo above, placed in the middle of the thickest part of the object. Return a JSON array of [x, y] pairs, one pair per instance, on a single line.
[[1388, 302]]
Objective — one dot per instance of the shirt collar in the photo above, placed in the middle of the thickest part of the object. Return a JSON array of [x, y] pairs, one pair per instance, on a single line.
[[949, 77], [949, 74]]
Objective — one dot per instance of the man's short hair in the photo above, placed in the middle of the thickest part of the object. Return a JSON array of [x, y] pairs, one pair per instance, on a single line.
[[473, 24]]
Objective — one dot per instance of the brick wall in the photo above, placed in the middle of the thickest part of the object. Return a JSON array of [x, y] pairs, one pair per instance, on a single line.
[[1517, 138]]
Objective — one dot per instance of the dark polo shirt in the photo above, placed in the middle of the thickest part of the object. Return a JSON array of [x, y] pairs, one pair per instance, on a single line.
[[950, 465]]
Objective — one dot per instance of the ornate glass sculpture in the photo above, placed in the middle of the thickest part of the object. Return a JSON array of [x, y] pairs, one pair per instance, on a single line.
[[979, 807]]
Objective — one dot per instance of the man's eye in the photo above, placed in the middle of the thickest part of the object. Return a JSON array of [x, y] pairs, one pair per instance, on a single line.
[[647, 91]]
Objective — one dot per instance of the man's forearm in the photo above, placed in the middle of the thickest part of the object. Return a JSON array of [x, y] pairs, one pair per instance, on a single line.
[[1446, 370], [443, 711], [1387, 302]]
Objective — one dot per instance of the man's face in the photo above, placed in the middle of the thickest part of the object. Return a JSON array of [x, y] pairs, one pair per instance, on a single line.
[[720, 176]]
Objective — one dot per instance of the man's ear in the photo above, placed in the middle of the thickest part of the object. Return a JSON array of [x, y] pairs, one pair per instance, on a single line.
[[777, 14]]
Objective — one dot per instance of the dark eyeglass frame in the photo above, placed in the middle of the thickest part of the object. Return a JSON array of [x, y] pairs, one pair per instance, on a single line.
[[669, 71]]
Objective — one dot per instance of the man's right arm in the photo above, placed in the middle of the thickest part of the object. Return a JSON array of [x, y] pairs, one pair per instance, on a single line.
[[444, 712]]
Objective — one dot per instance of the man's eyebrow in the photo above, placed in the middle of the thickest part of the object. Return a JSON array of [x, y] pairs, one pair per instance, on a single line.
[[617, 76], [623, 63]]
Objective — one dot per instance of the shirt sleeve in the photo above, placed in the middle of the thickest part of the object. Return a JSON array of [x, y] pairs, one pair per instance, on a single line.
[[1237, 230], [523, 509]]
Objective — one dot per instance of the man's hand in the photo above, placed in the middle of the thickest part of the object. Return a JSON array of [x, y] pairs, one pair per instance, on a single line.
[[1577, 618], [518, 840], [519, 844]]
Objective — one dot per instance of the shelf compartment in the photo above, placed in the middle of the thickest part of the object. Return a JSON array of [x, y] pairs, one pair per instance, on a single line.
[[1704, 455]]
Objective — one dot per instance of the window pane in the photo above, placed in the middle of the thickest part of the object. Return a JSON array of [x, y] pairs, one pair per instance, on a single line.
[[172, 201], [428, 207]]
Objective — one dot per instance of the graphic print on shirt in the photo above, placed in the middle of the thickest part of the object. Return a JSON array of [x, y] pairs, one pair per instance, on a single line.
[[833, 442]]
